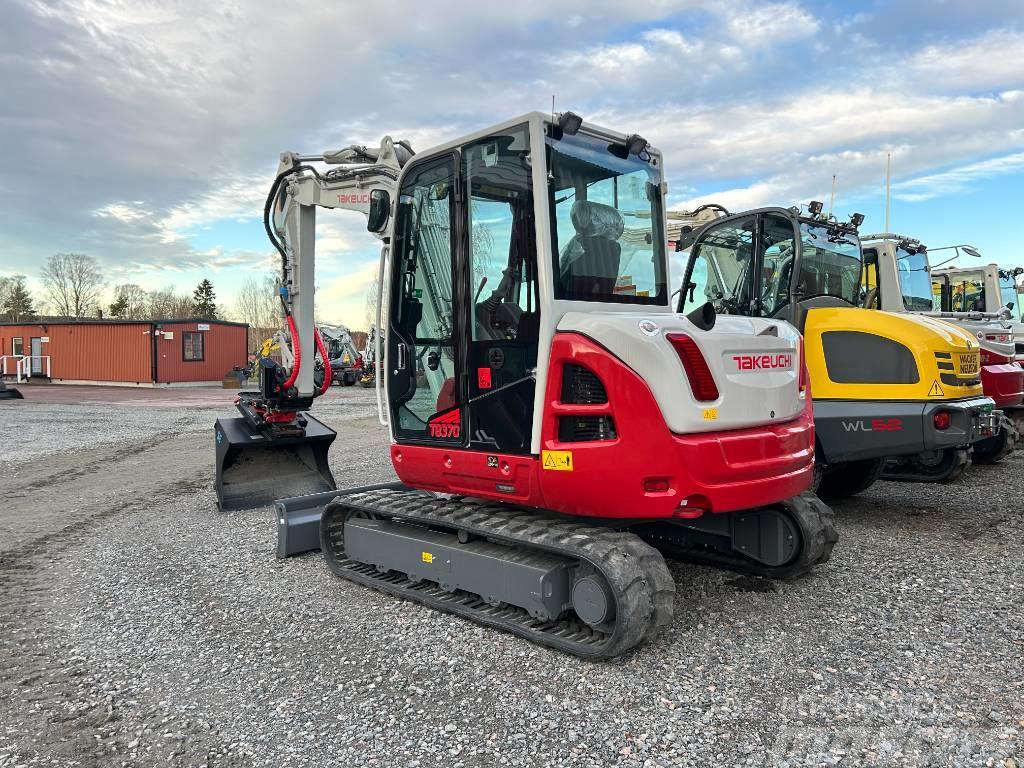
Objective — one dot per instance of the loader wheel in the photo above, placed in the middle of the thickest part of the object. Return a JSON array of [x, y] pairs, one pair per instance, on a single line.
[[849, 478], [994, 449]]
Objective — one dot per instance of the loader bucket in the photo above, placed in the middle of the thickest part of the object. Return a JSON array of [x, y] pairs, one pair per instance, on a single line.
[[254, 469], [298, 518]]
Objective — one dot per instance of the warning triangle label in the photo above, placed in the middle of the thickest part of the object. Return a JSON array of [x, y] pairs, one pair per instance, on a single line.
[[936, 390]]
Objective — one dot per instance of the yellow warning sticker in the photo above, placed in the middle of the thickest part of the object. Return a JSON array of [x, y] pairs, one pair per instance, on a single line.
[[558, 461], [427, 557], [710, 414], [936, 390]]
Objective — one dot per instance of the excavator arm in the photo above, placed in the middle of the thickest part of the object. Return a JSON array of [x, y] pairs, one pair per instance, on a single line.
[[275, 436]]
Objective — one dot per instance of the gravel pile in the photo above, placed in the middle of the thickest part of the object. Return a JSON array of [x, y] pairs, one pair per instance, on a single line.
[[167, 634]]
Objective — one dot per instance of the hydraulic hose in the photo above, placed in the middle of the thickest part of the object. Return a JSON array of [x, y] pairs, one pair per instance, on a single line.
[[296, 354], [327, 362]]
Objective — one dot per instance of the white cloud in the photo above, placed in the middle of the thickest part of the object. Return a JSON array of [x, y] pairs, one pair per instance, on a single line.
[[957, 179], [993, 60], [768, 25]]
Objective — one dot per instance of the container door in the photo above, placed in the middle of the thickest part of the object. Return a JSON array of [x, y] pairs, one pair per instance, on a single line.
[[37, 356]]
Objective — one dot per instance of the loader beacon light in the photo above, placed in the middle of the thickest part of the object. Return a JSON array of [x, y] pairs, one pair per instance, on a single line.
[[815, 207]]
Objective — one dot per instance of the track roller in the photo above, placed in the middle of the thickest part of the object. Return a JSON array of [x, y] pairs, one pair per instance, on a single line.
[[590, 591]]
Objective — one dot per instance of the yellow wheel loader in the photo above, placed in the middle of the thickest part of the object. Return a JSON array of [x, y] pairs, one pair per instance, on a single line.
[[883, 384]]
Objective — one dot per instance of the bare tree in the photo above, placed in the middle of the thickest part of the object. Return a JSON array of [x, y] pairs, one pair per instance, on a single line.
[[370, 312], [168, 304], [73, 284], [131, 302], [257, 304]]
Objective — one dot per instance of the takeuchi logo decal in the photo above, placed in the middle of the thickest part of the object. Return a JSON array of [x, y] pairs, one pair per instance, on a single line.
[[356, 199], [763, 362], [447, 425]]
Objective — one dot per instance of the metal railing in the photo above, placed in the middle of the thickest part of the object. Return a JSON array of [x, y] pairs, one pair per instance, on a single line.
[[23, 366]]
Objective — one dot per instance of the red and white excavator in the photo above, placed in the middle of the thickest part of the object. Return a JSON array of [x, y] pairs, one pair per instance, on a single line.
[[555, 425]]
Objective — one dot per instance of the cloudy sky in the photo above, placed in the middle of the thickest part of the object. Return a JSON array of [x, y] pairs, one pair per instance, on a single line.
[[146, 132]]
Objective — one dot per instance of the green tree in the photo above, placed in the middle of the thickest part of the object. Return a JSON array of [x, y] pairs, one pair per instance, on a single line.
[[17, 301], [204, 300]]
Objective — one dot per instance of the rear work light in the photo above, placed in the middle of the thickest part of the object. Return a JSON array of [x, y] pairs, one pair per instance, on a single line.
[[942, 420], [702, 383]]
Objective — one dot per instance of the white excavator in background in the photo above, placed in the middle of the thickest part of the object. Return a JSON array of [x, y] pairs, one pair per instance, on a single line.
[[346, 361], [552, 435]]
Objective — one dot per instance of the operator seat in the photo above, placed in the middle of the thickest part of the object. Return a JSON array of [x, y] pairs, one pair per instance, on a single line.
[[589, 263]]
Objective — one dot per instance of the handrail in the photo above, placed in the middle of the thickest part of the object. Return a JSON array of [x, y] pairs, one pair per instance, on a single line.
[[23, 366]]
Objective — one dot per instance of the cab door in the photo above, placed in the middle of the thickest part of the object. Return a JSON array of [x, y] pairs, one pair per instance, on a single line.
[[425, 357]]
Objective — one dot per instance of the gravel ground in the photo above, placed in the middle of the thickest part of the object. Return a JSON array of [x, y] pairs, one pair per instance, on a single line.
[[140, 626]]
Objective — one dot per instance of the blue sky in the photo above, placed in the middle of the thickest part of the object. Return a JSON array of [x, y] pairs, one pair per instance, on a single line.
[[145, 133]]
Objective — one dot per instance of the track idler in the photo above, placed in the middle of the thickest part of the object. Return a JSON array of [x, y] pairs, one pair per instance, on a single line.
[[782, 541], [939, 466], [590, 591]]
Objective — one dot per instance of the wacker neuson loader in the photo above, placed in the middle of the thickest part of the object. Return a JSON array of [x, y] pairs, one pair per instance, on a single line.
[[554, 422], [883, 384]]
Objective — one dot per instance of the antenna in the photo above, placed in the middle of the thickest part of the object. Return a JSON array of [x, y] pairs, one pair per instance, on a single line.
[[552, 107], [832, 199], [888, 175]]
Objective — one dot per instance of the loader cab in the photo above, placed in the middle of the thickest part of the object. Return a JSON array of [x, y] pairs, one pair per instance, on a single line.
[[896, 269], [774, 263], [494, 237]]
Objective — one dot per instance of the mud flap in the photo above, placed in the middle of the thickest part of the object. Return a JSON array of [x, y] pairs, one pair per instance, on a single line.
[[253, 470], [298, 518]]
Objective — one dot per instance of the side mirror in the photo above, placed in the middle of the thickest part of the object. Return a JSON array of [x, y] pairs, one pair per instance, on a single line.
[[433, 360], [380, 211]]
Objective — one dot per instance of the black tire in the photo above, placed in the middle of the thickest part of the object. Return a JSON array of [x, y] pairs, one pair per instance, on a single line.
[[994, 449], [849, 478], [348, 380]]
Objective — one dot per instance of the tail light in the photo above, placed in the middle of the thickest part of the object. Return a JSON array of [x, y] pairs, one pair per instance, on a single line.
[[1002, 338], [702, 383], [992, 358], [942, 420]]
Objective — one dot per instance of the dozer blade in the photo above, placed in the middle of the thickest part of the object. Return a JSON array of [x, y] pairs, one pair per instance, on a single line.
[[9, 393], [254, 469], [298, 518]]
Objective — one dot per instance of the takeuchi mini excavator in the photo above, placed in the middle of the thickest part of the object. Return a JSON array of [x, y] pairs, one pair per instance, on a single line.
[[554, 422], [883, 384], [988, 289], [897, 269]]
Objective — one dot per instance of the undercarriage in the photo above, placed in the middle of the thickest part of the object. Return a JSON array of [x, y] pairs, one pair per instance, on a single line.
[[591, 589]]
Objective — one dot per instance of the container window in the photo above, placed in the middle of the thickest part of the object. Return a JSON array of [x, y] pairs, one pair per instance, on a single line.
[[17, 346], [192, 346]]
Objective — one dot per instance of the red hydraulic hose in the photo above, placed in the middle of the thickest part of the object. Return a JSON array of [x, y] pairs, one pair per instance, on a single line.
[[296, 354], [325, 356]]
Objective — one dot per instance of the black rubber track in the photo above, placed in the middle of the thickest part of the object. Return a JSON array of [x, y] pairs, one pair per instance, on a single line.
[[642, 587], [992, 450], [818, 535], [909, 469]]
